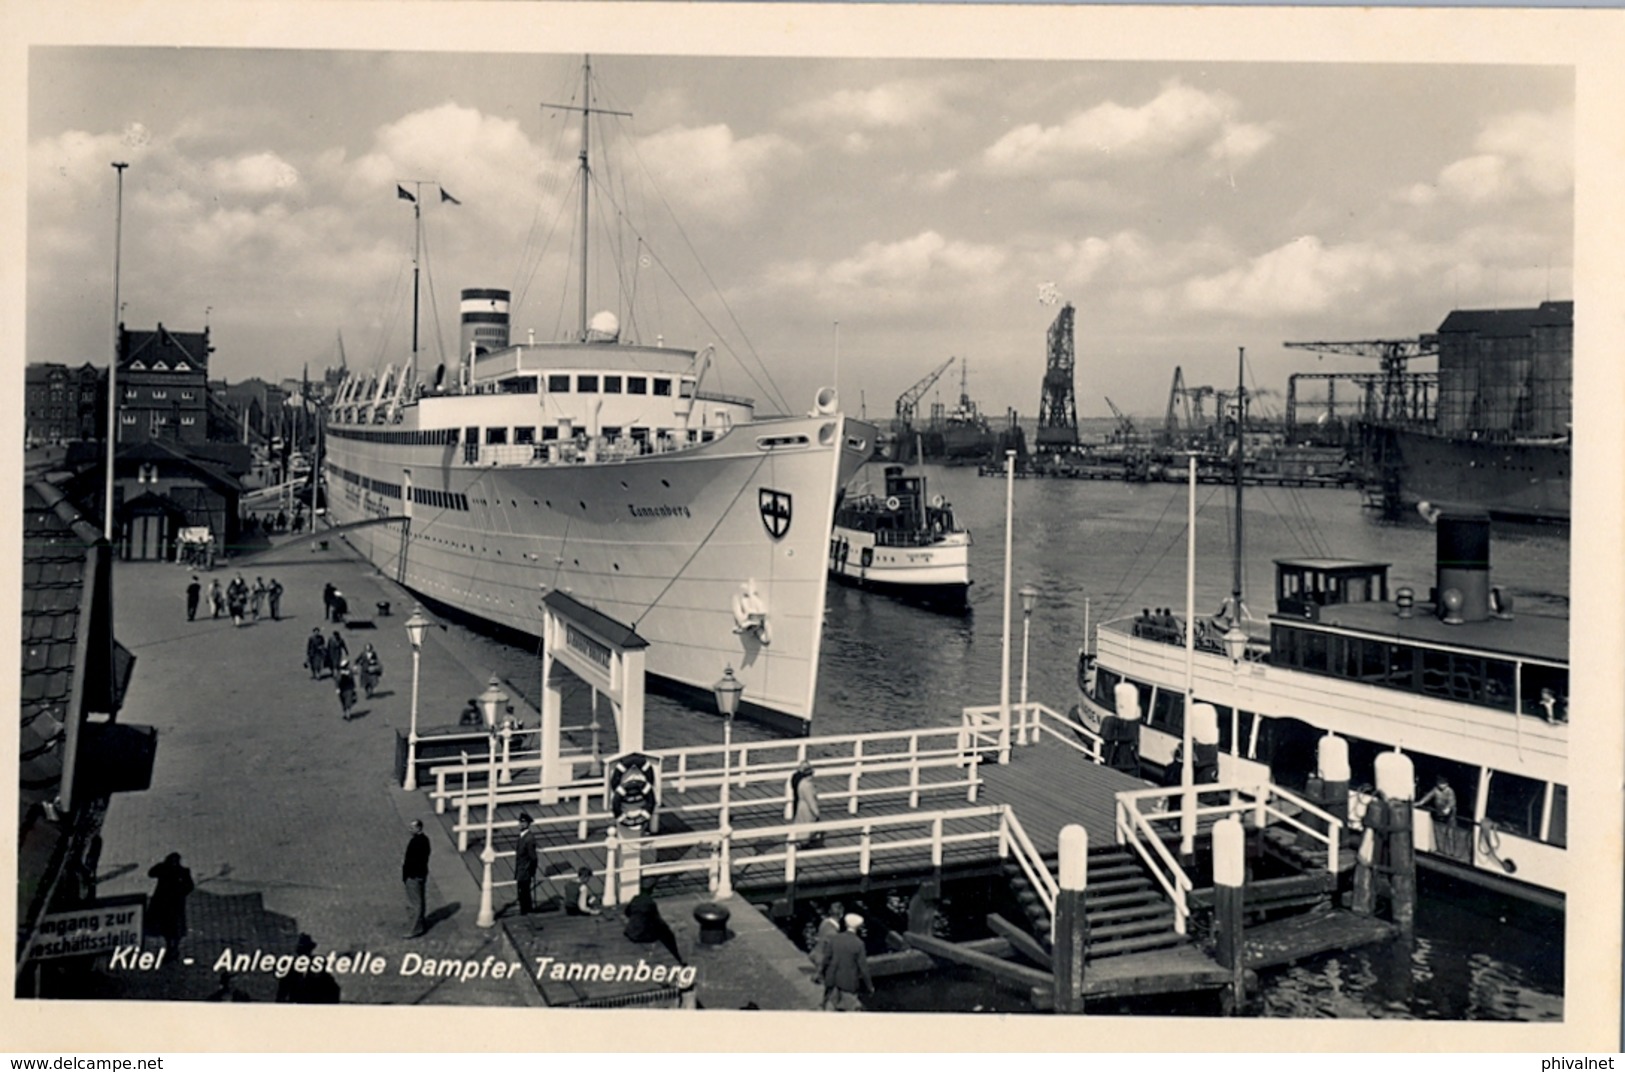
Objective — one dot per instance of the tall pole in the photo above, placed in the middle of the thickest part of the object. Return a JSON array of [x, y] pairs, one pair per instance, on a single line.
[[486, 916], [1026, 628], [1241, 450], [411, 782], [417, 250], [1187, 805], [112, 367], [1009, 539], [727, 769], [586, 175]]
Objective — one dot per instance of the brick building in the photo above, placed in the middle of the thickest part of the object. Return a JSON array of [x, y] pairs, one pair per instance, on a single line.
[[1507, 372], [63, 403], [163, 385]]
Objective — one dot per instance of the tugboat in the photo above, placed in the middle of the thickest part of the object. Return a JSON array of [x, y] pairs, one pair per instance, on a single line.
[[902, 544]]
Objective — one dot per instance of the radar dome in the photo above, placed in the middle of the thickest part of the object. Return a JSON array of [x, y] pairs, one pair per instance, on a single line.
[[604, 326]]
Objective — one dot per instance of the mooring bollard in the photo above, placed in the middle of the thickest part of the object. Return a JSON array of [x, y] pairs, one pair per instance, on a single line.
[[1229, 903], [1332, 765], [1396, 780], [1071, 932]]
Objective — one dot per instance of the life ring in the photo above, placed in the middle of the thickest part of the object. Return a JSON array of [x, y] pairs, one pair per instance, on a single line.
[[937, 501], [893, 502]]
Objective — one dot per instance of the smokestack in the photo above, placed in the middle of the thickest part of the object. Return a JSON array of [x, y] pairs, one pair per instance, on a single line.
[[485, 320], [1463, 559]]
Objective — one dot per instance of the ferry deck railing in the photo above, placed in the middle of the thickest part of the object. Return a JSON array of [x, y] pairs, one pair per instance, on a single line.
[[1147, 819], [1035, 722], [1018, 846]]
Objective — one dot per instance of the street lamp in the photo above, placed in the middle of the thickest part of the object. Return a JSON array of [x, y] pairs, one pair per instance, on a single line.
[[415, 625], [1029, 599], [1004, 651], [727, 690], [1235, 646], [491, 701]]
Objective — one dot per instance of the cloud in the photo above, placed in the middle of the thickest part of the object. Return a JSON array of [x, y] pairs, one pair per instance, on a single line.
[[488, 163], [253, 174], [1523, 155], [720, 174], [903, 104], [926, 268], [1302, 276], [1179, 119]]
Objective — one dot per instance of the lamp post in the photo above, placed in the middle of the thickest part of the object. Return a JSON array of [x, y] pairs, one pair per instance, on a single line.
[[490, 702], [1004, 652], [727, 691], [1235, 646], [1187, 776], [415, 625], [112, 367], [1029, 599]]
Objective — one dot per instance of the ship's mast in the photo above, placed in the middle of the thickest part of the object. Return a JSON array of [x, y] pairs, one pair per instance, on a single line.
[[1241, 449], [586, 174]]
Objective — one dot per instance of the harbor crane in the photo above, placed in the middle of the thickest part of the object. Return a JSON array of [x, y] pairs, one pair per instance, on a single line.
[[909, 400], [1126, 432], [1058, 406], [1195, 418], [1399, 399]]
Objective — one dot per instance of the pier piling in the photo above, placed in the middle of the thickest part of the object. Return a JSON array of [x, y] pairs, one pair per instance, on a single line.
[[1071, 923], [1396, 782], [1229, 907]]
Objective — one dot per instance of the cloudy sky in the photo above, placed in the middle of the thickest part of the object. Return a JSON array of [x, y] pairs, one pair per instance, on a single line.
[[1185, 209]]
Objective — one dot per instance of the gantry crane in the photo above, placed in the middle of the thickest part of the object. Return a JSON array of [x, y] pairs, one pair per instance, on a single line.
[[909, 400]]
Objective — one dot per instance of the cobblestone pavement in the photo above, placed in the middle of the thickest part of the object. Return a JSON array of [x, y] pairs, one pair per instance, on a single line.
[[289, 818]]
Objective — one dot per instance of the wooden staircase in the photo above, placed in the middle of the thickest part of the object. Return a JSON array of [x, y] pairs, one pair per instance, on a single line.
[[1127, 910]]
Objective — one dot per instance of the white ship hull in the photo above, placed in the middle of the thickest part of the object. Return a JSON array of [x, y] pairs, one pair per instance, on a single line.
[[937, 572], [663, 543]]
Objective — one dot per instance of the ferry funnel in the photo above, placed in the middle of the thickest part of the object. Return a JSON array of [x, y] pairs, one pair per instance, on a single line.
[[485, 320], [1463, 563]]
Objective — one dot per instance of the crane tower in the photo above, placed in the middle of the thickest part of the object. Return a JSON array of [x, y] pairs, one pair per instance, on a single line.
[[1058, 408]]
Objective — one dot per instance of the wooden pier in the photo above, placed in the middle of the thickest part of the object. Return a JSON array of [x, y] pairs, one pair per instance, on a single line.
[[902, 811]]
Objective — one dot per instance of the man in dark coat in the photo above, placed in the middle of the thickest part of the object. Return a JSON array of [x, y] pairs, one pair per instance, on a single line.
[[327, 600], [194, 592], [337, 650], [274, 594], [524, 865], [344, 682], [316, 654], [166, 909], [845, 970], [415, 874]]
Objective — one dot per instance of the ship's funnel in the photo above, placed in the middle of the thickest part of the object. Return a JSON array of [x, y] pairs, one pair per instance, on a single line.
[[1463, 555], [485, 320]]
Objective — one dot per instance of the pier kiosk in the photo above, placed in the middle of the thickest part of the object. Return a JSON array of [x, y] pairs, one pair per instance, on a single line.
[[608, 656]]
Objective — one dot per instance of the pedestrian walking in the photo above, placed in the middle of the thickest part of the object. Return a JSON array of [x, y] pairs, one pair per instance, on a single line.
[[337, 651], [166, 908], [327, 601], [281, 521], [524, 865], [341, 606], [344, 680], [805, 791], [237, 599], [828, 928], [217, 598], [845, 971], [274, 594], [316, 654], [194, 591], [415, 874], [370, 669], [256, 597]]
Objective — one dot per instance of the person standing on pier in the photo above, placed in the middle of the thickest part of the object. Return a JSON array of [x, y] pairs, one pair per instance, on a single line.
[[166, 909], [256, 598], [524, 865], [327, 601], [194, 592], [415, 874], [344, 680], [274, 594], [845, 970], [337, 651], [217, 599], [237, 598], [828, 928], [805, 791]]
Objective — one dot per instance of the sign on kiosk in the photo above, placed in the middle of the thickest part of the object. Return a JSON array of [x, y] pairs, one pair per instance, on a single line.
[[99, 927]]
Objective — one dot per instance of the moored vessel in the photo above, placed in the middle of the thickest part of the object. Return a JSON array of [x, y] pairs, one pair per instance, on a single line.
[[902, 543], [602, 468]]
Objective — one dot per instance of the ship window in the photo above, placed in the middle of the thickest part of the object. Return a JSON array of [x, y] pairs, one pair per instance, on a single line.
[[587, 384], [611, 432], [496, 435], [1168, 712], [1313, 650], [1514, 803], [519, 385], [612, 385], [685, 388], [1538, 682], [1106, 689], [559, 383], [637, 385], [1558, 832], [525, 434], [662, 387], [550, 433]]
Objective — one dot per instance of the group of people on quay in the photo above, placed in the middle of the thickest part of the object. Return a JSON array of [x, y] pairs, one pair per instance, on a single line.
[[274, 524], [329, 657], [236, 599], [840, 959]]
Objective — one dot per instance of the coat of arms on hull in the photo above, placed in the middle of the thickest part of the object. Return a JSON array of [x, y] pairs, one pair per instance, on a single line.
[[775, 508]]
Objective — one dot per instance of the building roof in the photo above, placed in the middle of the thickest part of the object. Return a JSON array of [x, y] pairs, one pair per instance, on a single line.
[[599, 624], [167, 346], [1508, 323]]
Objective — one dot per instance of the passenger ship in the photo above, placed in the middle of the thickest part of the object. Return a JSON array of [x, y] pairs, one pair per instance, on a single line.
[[605, 470], [902, 544], [1461, 685]]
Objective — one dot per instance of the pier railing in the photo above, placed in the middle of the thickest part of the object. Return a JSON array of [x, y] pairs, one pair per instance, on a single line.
[[1015, 844], [1147, 819]]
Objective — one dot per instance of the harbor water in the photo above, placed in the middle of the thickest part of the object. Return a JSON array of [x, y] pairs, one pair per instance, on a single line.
[[1116, 548]]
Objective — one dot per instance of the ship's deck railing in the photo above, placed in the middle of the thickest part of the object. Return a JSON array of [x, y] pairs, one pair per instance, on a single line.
[[575, 452], [1147, 819]]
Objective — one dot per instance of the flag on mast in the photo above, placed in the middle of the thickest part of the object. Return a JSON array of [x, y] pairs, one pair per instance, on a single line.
[[404, 194], [444, 197]]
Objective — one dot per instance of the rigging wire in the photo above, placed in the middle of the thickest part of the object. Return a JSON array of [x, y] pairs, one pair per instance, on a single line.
[[700, 546]]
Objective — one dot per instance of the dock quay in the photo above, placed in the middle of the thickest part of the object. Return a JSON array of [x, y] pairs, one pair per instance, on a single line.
[[1140, 474], [987, 797]]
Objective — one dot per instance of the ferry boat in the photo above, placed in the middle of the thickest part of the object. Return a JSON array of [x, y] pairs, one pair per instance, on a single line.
[[902, 544], [604, 469], [1471, 692]]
